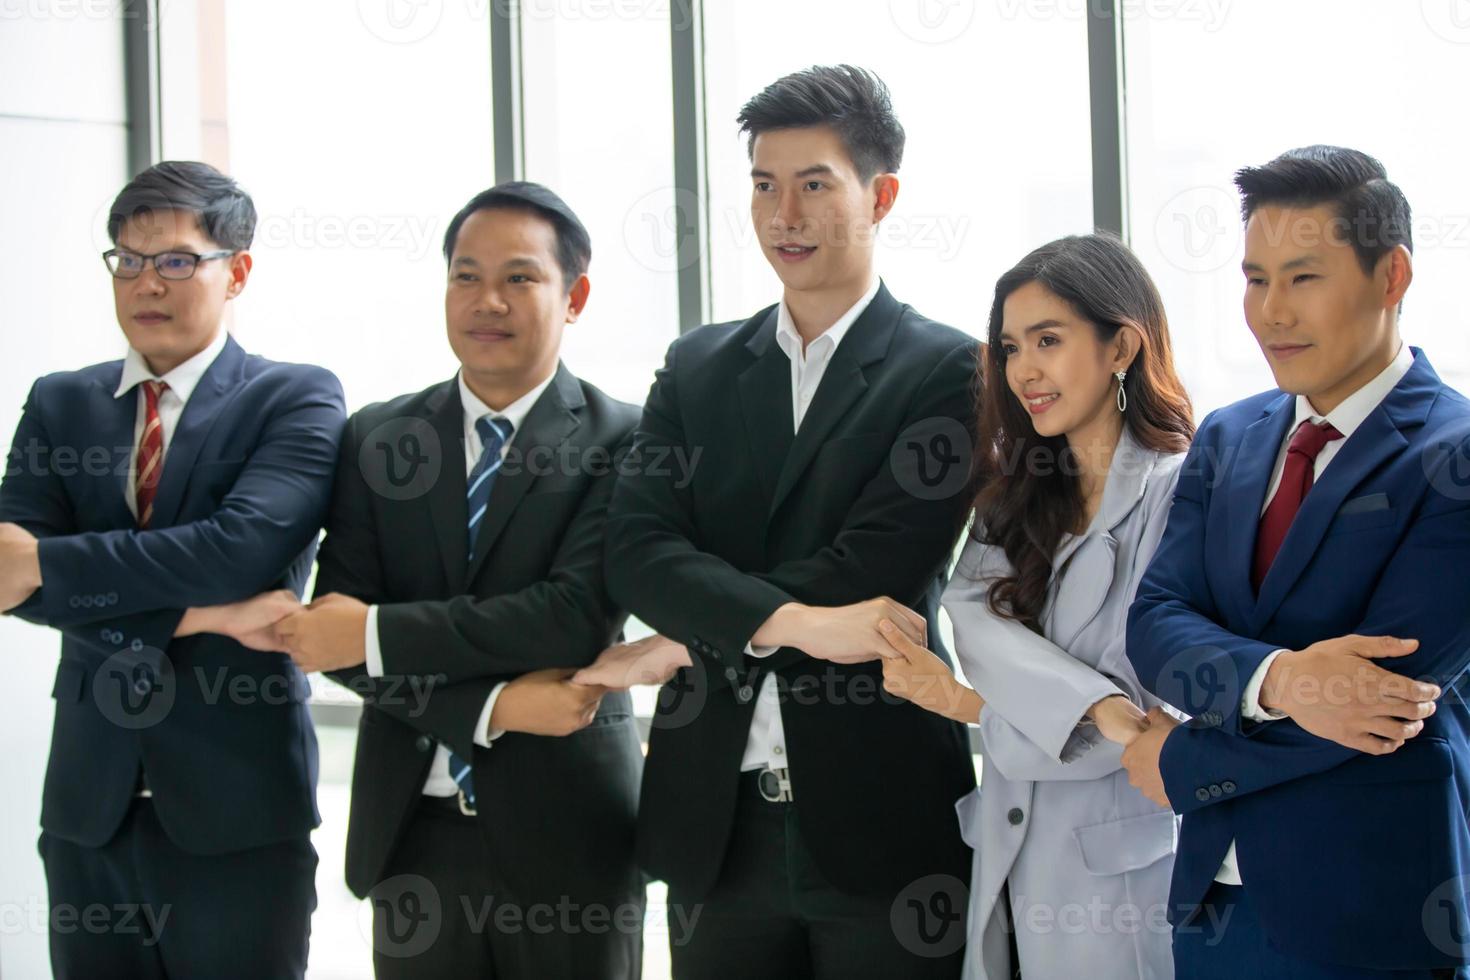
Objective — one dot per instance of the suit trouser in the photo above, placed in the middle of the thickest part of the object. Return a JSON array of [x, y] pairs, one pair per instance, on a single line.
[[1225, 942], [140, 907], [774, 915], [440, 912]]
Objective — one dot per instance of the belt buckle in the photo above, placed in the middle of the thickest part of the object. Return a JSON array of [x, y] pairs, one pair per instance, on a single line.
[[465, 806], [775, 785]]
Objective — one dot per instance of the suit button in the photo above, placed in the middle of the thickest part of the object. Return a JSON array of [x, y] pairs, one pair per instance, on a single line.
[[1202, 794], [137, 644], [112, 598], [75, 602], [1015, 816], [100, 599], [107, 635], [423, 743], [143, 684], [731, 673], [86, 601], [1215, 790], [1228, 786], [744, 694]]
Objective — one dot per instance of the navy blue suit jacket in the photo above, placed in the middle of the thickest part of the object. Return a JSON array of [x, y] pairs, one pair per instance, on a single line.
[[1348, 858], [220, 732]]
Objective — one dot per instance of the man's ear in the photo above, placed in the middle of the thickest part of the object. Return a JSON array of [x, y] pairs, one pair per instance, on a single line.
[[885, 193], [577, 298], [1399, 274], [240, 265]]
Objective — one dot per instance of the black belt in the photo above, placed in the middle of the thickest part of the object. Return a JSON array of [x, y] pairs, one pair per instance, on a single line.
[[770, 785]]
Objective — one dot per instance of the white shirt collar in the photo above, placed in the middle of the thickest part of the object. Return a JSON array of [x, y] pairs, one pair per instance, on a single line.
[[182, 380], [515, 412], [1356, 408], [790, 340]]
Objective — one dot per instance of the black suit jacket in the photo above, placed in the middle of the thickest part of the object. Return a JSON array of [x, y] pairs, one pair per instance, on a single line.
[[835, 514], [558, 813], [221, 733]]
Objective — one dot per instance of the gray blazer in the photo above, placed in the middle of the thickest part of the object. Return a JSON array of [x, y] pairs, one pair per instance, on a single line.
[[1088, 858]]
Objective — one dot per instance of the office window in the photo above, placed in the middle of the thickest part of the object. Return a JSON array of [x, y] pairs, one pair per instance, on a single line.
[[993, 99], [1212, 92]]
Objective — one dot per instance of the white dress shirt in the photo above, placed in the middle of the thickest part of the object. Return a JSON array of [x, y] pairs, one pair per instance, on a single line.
[[181, 382], [765, 747], [439, 782], [1345, 418]]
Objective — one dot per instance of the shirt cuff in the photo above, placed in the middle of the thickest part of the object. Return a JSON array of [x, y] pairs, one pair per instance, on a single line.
[[374, 661], [484, 734], [1250, 701], [759, 652]]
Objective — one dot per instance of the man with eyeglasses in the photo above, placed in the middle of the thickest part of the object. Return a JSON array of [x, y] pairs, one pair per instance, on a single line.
[[144, 502]]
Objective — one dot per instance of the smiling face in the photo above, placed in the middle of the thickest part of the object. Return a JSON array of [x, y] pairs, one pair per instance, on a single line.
[[168, 321], [1057, 367], [1326, 327], [506, 306], [815, 217]]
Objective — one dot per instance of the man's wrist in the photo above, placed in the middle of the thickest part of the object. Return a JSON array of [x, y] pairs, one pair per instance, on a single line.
[[786, 627], [1274, 689]]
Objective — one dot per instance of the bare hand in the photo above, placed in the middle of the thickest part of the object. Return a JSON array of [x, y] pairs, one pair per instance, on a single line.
[[1119, 719], [251, 622], [546, 702], [841, 634], [1334, 690], [651, 660], [917, 675], [1141, 757], [330, 634], [20, 566]]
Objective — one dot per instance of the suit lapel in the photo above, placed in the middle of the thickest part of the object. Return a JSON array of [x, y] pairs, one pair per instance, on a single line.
[[117, 418], [548, 424], [765, 402], [1251, 475], [1378, 440], [843, 383], [203, 408], [445, 499]]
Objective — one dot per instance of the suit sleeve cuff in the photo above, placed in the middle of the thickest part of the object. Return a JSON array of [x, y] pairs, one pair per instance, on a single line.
[[371, 645], [484, 734], [1250, 701]]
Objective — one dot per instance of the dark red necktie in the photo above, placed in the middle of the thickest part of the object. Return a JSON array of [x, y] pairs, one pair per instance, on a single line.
[[150, 453], [1296, 480]]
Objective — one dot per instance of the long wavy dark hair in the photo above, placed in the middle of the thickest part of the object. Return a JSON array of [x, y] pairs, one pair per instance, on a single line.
[[1026, 508]]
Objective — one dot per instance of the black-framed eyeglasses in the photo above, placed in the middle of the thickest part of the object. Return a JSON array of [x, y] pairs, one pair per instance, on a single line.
[[169, 265]]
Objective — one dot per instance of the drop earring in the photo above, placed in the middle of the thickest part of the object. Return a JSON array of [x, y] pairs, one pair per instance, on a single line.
[[1122, 395]]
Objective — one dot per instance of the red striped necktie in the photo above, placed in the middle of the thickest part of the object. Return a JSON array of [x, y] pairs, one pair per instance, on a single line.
[[150, 453], [1297, 477]]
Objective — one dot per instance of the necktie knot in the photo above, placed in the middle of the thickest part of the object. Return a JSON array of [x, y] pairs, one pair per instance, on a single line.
[[153, 390], [493, 432], [1310, 439]]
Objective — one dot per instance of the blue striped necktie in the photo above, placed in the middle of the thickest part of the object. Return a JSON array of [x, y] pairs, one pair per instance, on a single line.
[[494, 433]]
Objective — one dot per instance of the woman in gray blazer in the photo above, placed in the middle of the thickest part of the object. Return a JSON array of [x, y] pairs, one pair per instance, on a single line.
[[1083, 428]]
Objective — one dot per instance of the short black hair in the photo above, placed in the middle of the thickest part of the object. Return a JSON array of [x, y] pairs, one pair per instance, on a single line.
[[1372, 212], [853, 101], [573, 244], [225, 213]]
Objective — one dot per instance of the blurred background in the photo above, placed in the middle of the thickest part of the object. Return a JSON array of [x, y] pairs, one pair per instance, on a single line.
[[361, 126]]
